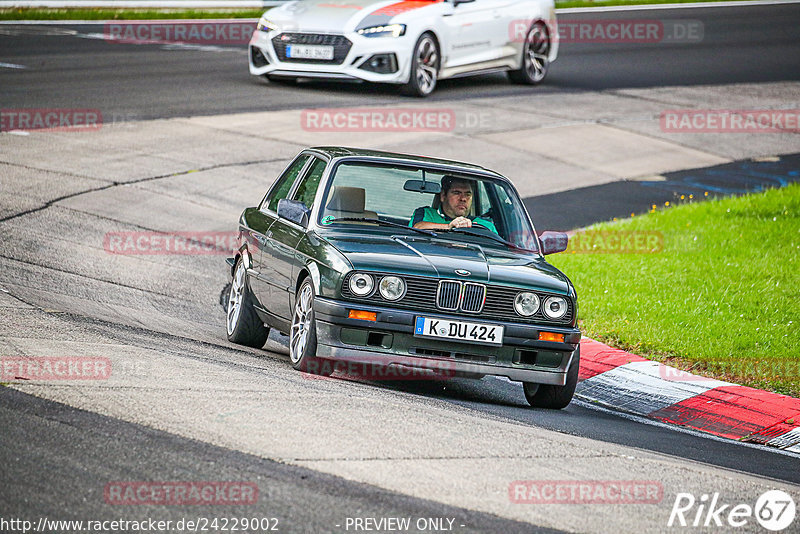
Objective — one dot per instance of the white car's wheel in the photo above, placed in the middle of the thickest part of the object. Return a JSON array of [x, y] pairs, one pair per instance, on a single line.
[[424, 67], [535, 56]]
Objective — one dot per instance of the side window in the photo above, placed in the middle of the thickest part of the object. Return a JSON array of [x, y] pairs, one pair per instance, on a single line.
[[284, 184], [308, 187]]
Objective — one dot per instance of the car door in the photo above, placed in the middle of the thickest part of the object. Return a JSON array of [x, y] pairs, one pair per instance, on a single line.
[[476, 32], [282, 240], [259, 225]]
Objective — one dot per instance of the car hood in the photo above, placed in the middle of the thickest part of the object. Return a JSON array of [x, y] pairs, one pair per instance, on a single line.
[[422, 256], [335, 16]]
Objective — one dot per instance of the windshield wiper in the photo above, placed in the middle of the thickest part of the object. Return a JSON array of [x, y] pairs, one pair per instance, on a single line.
[[381, 222], [492, 236]]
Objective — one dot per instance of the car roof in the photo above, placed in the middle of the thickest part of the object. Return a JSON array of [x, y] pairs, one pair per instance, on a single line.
[[347, 152]]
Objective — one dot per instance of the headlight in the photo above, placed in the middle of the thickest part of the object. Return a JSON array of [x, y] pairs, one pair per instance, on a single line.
[[361, 284], [390, 30], [555, 307], [526, 304], [392, 287], [266, 26]]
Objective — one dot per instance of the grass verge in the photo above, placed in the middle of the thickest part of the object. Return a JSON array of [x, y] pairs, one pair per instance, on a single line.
[[720, 298], [21, 13], [564, 4], [125, 14]]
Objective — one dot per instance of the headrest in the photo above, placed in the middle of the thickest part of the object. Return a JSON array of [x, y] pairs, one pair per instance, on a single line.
[[347, 199]]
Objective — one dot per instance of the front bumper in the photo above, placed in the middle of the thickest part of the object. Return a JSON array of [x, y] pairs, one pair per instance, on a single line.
[[261, 50], [390, 341]]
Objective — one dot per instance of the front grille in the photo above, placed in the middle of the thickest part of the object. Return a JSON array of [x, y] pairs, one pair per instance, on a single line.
[[474, 297], [448, 295], [341, 46], [422, 295]]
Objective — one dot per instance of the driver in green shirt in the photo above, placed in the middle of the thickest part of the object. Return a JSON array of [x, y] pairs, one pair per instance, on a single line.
[[456, 201]]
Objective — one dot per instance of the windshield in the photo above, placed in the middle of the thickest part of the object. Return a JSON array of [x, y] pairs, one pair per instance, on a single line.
[[429, 199]]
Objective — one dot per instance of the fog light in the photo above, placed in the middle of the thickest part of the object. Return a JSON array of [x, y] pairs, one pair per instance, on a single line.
[[257, 57], [363, 315], [381, 64]]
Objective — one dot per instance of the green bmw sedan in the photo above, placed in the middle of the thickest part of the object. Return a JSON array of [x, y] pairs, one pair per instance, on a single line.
[[388, 260]]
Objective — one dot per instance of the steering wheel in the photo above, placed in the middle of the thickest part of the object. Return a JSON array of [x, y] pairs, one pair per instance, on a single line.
[[475, 226]]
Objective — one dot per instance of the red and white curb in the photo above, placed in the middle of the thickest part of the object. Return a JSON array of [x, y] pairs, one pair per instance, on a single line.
[[633, 384]]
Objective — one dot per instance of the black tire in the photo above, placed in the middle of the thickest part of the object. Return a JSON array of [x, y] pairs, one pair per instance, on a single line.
[[424, 67], [535, 60], [303, 352], [245, 327], [554, 397]]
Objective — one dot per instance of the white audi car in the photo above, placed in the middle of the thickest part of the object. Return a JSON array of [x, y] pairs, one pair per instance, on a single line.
[[410, 42]]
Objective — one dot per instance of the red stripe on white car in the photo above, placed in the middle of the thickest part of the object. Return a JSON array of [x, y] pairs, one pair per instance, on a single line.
[[401, 7]]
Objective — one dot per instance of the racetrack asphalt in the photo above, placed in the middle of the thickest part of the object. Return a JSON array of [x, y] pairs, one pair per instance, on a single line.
[[69, 66]]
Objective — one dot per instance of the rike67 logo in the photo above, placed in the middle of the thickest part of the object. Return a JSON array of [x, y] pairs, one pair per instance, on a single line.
[[774, 510]]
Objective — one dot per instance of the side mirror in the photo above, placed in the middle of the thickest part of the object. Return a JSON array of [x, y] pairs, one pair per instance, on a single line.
[[294, 210], [553, 242]]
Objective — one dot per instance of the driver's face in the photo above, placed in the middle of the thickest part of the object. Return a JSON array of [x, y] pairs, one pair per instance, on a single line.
[[457, 201]]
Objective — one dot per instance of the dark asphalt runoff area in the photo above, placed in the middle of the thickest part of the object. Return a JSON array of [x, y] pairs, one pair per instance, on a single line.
[[73, 67], [56, 459], [578, 208]]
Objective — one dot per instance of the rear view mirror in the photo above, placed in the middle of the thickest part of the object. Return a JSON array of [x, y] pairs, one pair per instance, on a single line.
[[294, 210], [422, 187], [553, 242]]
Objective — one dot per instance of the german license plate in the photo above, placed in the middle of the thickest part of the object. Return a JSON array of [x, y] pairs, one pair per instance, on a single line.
[[459, 330], [309, 52]]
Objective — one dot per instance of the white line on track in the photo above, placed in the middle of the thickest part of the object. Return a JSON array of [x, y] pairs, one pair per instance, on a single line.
[[12, 66]]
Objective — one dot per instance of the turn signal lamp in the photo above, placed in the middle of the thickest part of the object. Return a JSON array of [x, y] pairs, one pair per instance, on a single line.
[[550, 336], [363, 315]]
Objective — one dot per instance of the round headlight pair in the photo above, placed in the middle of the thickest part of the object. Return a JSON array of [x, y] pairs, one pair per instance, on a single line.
[[526, 304], [391, 287]]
